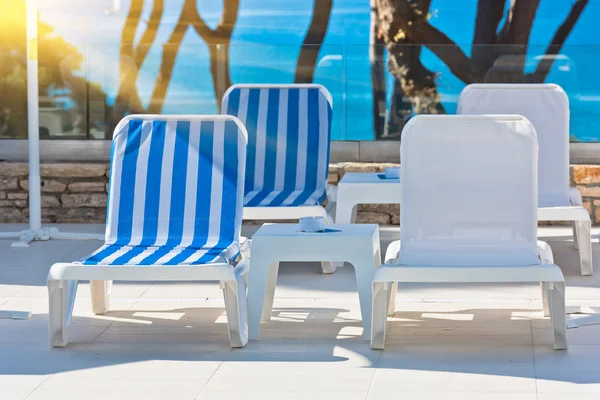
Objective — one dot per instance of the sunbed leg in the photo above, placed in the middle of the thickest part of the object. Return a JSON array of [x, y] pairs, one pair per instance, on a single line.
[[575, 238], [61, 296], [100, 296], [556, 297], [381, 297], [584, 240], [234, 293], [393, 291], [329, 267], [545, 305]]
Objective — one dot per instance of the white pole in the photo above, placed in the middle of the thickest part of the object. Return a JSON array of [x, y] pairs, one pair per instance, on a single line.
[[35, 231], [35, 203]]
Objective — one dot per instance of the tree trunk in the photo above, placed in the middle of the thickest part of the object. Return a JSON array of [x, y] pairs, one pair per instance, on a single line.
[[169, 55], [489, 14], [218, 42], [562, 33], [415, 89], [128, 71], [131, 59], [219, 68], [309, 53], [377, 76], [508, 63]]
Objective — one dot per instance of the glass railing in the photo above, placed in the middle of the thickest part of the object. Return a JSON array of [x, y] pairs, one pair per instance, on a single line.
[[86, 90]]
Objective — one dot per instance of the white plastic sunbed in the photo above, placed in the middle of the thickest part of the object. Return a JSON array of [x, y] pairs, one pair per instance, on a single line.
[[547, 107], [174, 214], [469, 213]]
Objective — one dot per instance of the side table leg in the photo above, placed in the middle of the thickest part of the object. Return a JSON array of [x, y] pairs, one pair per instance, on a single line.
[[393, 292], [364, 271], [267, 308], [345, 213], [259, 281]]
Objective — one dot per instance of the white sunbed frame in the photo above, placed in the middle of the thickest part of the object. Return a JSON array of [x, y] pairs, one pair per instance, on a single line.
[[573, 211], [548, 274], [64, 278], [432, 269]]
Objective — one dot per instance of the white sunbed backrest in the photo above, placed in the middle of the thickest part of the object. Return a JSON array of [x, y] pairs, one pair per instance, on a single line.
[[547, 107], [469, 191]]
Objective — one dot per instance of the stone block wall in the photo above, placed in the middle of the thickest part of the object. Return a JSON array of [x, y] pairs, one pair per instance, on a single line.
[[70, 192], [77, 192], [585, 177]]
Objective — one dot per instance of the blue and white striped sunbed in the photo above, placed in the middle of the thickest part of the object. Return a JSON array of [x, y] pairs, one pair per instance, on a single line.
[[174, 213], [173, 197], [289, 128]]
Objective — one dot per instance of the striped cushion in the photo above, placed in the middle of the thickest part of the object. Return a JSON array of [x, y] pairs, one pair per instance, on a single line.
[[175, 192], [289, 128]]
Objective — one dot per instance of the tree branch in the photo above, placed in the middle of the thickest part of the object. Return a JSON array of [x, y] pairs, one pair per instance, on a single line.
[[127, 96], [376, 57], [131, 23], [489, 14], [513, 41], [448, 51], [218, 42], [522, 16], [228, 19], [201, 28], [404, 19], [309, 52], [562, 33], [149, 35], [224, 29], [169, 56]]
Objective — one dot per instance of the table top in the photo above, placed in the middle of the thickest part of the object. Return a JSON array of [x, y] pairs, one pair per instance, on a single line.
[[331, 230], [368, 177]]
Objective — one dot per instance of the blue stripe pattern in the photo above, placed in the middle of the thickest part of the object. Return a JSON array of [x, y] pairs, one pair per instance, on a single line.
[[289, 129], [175, 193]]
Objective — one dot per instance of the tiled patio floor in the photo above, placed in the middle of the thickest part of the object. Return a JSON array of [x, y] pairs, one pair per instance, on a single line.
[[169, 341]]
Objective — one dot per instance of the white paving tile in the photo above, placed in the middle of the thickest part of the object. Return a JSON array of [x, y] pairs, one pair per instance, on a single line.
[[14, 394], [383, 395], [170, 340], [491, 379], [568, 396], [575, 358], [173, 390], [560, 380], [282, 395]]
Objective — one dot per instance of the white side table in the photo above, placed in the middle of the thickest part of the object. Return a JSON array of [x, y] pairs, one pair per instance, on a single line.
[[364, 188], [273, 243]]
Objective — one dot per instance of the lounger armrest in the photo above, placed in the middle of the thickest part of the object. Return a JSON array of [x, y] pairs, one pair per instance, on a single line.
[[545, 252], [392, 252], [331, 202], [245, 246], [242, 267], [575, 197], [332, 192]]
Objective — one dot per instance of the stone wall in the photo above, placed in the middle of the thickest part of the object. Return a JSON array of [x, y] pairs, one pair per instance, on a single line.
[[77, 192], [585, 177], [70, 192]]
